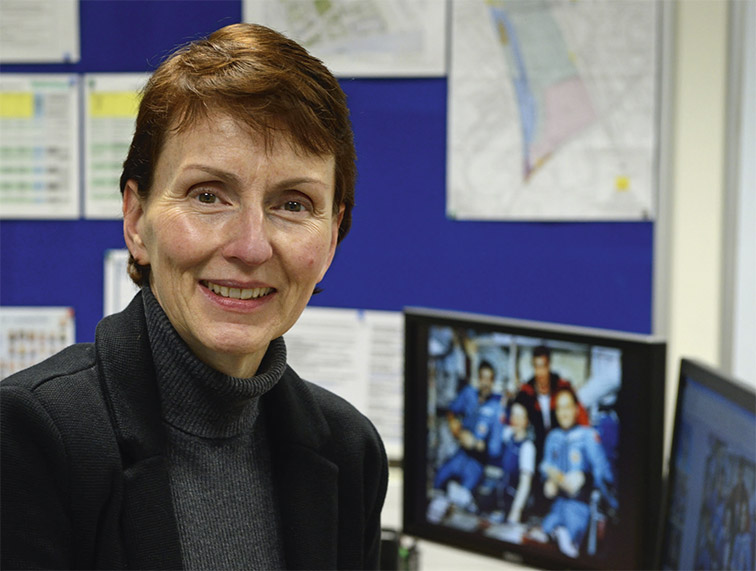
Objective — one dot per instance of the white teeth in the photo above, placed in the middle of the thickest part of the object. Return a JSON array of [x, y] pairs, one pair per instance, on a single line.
[[238, 293]]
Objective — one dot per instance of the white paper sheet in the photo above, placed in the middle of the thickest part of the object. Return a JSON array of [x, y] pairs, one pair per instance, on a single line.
[[362, 38], [39, 31], [29, 335], [119, 289], [385, 406], [111, 103], [39, 146]]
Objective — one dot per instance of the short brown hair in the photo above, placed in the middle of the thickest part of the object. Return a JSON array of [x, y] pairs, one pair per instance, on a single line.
[[259, 77]]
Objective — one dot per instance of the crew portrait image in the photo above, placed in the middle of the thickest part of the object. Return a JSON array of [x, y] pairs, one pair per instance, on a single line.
[[180, 438], [523, 438]]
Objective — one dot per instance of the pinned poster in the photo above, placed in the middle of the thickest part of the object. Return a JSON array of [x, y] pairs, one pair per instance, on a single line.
[[39, 31], [39, 146], [553, 110], [119, 289], [111, 103], [29, 335], [363, 38]]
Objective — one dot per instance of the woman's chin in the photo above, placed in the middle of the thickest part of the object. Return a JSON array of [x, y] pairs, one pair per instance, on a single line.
[[233, 355]]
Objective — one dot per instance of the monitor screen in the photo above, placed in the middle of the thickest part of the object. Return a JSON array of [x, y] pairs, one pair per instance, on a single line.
[[710, 507], [531, 441]]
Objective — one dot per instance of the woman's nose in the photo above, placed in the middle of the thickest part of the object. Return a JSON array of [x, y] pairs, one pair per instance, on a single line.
[[246, 237]]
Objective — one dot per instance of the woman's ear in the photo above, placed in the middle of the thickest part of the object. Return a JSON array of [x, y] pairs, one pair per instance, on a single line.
[[133, 216]]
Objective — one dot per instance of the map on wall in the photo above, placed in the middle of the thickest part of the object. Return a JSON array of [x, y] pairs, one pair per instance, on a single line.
[[362, 38], [553, 110]]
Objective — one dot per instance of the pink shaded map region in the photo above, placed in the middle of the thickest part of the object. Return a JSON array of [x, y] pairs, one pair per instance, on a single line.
[[566, 110]]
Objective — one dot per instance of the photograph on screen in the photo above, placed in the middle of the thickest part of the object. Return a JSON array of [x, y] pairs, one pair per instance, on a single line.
[[523, 439]]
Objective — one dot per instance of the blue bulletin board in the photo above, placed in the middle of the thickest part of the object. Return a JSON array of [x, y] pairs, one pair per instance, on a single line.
[[402, 250]]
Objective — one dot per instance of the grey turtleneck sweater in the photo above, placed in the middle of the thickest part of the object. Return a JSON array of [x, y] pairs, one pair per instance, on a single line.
[[218, 453]]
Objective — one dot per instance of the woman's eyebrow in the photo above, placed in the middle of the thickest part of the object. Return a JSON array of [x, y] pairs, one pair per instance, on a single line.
[[234, 179], [297, 180], [226, 175]]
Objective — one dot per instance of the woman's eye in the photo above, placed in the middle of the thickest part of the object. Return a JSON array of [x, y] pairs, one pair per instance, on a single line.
[[207, 198], [293, 206]]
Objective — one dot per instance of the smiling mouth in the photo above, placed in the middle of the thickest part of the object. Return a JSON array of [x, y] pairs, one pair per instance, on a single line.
[[238, 293]]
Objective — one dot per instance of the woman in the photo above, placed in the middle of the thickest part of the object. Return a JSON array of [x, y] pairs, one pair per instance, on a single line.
[[518, 462], [180, 438]]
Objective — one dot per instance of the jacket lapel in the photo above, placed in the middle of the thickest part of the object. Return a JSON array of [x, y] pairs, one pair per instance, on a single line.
[[151, 539], [306, 480]]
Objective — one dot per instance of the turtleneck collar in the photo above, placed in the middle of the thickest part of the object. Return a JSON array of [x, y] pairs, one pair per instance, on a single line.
[[196, 398]]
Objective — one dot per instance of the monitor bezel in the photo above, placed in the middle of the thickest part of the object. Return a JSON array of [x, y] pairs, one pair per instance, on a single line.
[[643, 440]]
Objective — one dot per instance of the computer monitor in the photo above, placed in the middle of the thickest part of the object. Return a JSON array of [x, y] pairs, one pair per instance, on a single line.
[[531, 441], [710, 508]]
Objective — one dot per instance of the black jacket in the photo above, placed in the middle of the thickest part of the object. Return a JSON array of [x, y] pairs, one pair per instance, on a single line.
[[85, 482]]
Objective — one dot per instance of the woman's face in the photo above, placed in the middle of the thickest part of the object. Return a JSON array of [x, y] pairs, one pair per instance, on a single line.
[[518, 417], [236, 235], [565, 410]]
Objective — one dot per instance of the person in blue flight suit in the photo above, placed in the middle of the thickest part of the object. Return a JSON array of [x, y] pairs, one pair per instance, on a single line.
[[447, 358], [475, 421], [705, 558], [518, 463], [738, 517], [716, 510], [574, 464], [741, 557]]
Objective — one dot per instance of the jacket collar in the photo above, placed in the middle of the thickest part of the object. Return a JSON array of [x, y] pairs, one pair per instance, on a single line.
[[306, 480], [128, 381]]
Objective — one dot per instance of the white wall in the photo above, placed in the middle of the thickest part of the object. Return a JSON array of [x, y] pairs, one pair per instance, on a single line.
[[739, 317], [705, 292], [697, 188], [690, 242]]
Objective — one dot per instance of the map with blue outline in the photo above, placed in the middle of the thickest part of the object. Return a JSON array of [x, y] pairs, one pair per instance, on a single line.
[[552, 109]]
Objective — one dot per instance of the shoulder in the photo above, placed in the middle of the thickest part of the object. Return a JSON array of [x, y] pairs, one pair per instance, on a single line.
[[313, 416], [72, 361], [59, 398], [345, 421], [491, 409], [584, 433], [54, 384], [306, 415], [55, 412], [493, 401], [465, 391], [558, 383], [555, 435], [470, 393], [527, 391]]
